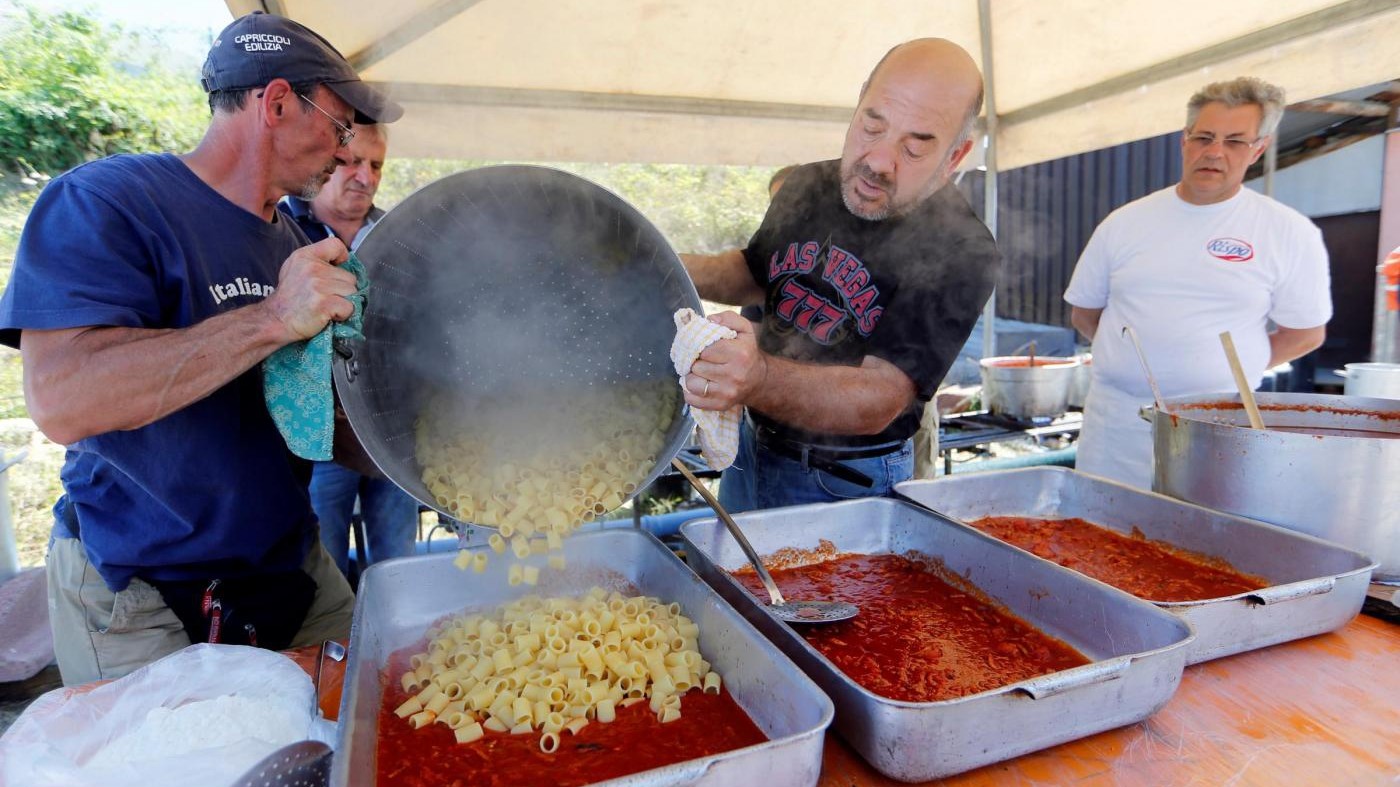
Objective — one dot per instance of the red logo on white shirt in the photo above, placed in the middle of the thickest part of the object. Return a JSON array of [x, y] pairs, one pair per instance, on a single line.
[[1230, 250]]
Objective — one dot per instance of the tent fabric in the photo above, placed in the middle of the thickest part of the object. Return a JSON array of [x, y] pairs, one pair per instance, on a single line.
[[772, 83]]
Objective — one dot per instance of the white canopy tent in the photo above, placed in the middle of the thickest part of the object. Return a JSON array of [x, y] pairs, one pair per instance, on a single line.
[[773, 82]]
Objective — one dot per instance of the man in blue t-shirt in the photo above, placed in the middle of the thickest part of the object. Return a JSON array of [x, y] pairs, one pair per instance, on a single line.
[[146, 291], [345, 209]]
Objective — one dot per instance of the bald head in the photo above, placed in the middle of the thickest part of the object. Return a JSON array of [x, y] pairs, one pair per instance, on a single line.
[[911, 129], [938, 58]]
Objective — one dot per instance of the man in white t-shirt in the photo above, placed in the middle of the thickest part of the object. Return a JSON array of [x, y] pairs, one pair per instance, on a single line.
[[1185, 263]]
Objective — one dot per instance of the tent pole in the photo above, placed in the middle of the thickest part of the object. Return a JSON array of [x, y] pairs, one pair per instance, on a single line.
[[989, 186], [1270, 165]]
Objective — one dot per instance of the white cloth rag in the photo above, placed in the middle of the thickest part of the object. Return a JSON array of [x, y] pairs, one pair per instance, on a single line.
[[718, 429]]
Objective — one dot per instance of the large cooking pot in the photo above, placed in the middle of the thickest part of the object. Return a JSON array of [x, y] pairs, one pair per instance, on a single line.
[[1027, 387], [1372, 379], [516, 303], [1326, 465]]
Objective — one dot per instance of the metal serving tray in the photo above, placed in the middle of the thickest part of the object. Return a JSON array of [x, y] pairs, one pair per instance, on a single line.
[[1314, 586], [1136, 648], [399, 599]]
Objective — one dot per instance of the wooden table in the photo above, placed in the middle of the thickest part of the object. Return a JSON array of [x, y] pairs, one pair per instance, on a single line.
[[1319, 711]]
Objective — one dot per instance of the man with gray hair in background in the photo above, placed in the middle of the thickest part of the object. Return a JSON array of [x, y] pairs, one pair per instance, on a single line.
[[872, 270], [344, 208], [1184, 264]]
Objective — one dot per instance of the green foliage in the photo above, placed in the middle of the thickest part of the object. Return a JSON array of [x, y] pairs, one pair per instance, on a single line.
[[74, 89], [15, 202], [702, 209]]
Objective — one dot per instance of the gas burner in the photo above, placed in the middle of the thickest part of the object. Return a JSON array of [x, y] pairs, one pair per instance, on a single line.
[[962, 430], [1013, 422]]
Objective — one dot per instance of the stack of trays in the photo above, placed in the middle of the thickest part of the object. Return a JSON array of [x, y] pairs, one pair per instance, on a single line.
[[400, 599], [1314, 586], [1137, 651]]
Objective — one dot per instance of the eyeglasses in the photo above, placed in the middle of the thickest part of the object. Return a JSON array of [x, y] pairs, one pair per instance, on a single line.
[[346, 133], [1230, 144]]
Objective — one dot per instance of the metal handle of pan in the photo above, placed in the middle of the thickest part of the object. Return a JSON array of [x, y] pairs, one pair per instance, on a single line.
[[346, 351], [1293, 590], [329, 649], [763, 575], [1088, 675]]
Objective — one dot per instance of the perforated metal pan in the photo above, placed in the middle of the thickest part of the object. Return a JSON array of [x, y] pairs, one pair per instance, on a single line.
[[503, 285], [1137, 650], [399, 599], [1314, 586]]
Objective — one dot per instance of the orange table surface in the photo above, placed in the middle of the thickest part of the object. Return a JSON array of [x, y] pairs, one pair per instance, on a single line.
[[1323, 710], [1320, 711]]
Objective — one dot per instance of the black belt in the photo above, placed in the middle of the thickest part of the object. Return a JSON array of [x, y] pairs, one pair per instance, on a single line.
[[826, 459]]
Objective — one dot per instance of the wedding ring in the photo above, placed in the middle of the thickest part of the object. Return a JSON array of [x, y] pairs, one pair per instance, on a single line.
[[707, 389]]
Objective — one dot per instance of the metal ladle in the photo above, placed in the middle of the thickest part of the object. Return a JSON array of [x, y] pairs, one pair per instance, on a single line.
[[1142, 358], [782, 609]]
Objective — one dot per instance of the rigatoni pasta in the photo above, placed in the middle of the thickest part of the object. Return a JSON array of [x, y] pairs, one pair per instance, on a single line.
[[595, 448], [554, 665]]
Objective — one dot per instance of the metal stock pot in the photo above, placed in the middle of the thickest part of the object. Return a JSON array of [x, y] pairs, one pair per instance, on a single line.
[[1326, 465], [502, 288], [1372, 379], [1013, 386]]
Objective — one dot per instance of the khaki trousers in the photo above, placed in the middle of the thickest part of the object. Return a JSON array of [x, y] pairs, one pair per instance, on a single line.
[[926, 442], [98, 634]]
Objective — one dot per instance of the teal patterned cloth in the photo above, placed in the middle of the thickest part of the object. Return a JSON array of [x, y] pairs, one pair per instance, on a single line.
[[297, 379]]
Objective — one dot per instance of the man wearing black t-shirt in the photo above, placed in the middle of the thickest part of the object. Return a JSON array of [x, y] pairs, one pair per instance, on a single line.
[[872, 271]]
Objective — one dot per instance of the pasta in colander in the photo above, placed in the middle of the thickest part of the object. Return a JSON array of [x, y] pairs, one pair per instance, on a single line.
[[592, 450]]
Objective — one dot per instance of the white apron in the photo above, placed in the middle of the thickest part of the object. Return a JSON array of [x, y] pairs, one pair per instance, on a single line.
[[1115, 442]]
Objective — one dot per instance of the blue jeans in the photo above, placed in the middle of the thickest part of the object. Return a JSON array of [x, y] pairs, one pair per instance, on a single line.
[[390, 514], [760, 478]]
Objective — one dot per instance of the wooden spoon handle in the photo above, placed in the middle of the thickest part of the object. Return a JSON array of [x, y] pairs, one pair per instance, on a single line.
[[1251, 408]]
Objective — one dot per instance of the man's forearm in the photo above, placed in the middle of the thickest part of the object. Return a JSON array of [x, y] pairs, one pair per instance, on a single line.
[[838, 400], [1086, 321], [87, 381], [723, 278], [1287, 344]]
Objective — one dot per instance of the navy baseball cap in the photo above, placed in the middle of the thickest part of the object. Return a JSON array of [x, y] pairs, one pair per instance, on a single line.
[[258, 48]]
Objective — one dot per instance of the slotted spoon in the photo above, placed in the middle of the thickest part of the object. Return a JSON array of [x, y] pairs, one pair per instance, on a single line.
[[782, 609], [300, 764]]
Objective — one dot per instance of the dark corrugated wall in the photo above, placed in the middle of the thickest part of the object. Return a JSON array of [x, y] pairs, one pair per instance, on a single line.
[[1046, 213]]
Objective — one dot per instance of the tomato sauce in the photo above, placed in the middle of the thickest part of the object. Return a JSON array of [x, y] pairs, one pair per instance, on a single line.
[[635, 742], [1148, 569], [917, 637], [1318, 431]]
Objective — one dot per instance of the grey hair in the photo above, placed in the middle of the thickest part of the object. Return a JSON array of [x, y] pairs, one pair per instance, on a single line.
[[234, 100], [1239, 92], [376, 129], [970, 119]]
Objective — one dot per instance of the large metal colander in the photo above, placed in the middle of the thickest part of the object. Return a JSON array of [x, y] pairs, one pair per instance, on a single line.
[[505, 302]]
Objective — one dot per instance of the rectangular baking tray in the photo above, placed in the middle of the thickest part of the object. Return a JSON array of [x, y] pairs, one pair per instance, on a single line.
[[1314, 586], [399, 599], [1136, 649]]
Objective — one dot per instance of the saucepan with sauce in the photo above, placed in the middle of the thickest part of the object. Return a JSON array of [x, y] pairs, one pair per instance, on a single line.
[[1324, 465], [1027, 386]]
